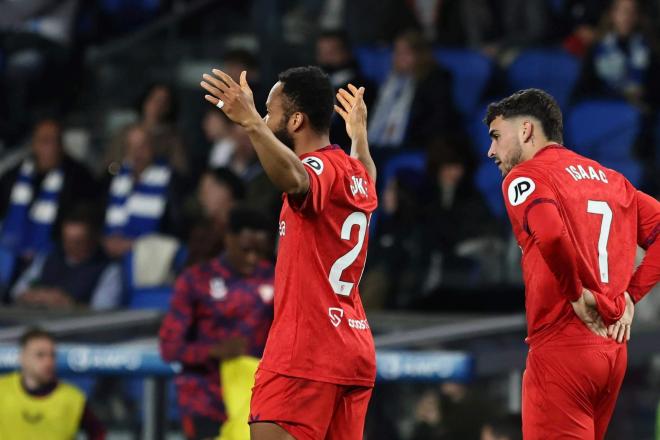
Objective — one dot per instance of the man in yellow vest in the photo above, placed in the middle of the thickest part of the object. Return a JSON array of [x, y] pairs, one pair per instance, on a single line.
[[34, 404]]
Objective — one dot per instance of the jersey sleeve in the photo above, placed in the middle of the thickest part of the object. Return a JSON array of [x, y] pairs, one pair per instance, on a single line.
[[322, 175], [647, 274], [532, 204]]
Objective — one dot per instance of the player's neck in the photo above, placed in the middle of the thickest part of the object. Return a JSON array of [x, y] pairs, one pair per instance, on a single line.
[[534, 147], [310, 143]]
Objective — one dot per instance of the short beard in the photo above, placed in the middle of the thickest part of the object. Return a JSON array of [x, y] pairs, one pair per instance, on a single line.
[[515, 159], [283, 135]]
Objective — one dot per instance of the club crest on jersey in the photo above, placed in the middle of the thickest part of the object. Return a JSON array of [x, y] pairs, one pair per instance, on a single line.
[[519, 189], [314, 163], [335, 314], [218, 288]]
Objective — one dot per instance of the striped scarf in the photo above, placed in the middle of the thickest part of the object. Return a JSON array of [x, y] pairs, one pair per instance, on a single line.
[[28, 224], [136, 207]]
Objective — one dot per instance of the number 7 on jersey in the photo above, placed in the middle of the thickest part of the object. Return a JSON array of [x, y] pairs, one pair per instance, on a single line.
[[602, 208]]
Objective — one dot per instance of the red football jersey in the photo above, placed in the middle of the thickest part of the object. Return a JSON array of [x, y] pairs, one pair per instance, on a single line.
[[600, 211], [320, 331]]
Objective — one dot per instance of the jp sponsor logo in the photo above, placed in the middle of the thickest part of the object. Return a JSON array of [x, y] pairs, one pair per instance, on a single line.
[[519, 189], [314, 163]]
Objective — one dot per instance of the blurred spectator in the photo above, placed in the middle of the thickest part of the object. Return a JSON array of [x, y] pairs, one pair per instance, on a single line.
[[454, 213], [396, 264], [260, 193], [429, 423], [143, 195], [377, 21], [503, 428], [414, 105], [578, 24], [622, 62], [217, 129], [499, 29], [334, 56], [158, 114], [232, 149], [36, 193], [35, 44], [76, 273], [457, 412], [237, 60], [35, 404], [220, 310], [219, 191], [466, 410]]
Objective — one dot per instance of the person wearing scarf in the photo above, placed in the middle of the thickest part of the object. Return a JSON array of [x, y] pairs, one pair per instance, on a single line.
[[35, 193]]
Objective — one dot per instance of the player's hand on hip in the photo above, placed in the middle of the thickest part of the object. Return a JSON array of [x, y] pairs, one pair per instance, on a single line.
[[585, 309], [353, 110], [621, 329], [235, 100]]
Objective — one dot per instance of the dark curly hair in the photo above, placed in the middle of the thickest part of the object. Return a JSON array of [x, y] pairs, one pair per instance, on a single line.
[[530, 102], [308, 90]]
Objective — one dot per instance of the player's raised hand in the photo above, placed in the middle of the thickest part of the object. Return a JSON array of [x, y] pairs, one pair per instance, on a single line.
[[621, 329], [585, 309], [353, 110], [235, 100]]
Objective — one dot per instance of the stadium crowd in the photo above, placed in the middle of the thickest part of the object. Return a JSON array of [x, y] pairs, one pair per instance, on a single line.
[[104, 205]]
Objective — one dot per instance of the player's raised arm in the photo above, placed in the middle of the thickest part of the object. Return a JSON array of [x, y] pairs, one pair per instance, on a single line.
[[282, 166], [354, 112]]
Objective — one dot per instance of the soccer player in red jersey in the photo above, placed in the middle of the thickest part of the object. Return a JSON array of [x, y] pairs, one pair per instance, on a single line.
[[319, 365], [578, 224]]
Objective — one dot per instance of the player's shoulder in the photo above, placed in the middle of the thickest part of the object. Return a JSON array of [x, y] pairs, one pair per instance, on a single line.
[[325, 160]]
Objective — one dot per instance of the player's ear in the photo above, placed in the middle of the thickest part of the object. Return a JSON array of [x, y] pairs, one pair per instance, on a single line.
[[296, 121], [526, 131]]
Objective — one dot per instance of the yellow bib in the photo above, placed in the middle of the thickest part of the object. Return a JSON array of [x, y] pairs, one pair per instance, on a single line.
[[53, 417], [237, 380]]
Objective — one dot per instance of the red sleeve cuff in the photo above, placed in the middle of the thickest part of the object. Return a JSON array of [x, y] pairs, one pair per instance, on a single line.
[[610, 309]]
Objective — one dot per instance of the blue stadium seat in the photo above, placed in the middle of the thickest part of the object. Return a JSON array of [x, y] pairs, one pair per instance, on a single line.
[[470, 71], [7, 266], [410, 160], [120, 6], [488, 180], [157, 298], [375, 62], [153, 297], [552, 70], [478, 132], [604, 130]]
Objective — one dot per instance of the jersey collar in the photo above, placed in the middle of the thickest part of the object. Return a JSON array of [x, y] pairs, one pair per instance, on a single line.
[[548, 147], [326, 148]]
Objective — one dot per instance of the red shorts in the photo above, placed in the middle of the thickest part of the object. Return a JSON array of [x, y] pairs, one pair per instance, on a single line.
[[569, 391], [307, 409]]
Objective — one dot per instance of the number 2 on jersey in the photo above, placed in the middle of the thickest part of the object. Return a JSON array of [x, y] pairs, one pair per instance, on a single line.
[[340, 287], [602, 208]]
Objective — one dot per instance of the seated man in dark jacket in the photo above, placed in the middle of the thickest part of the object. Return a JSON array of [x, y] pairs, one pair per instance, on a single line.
[[75, 273]]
